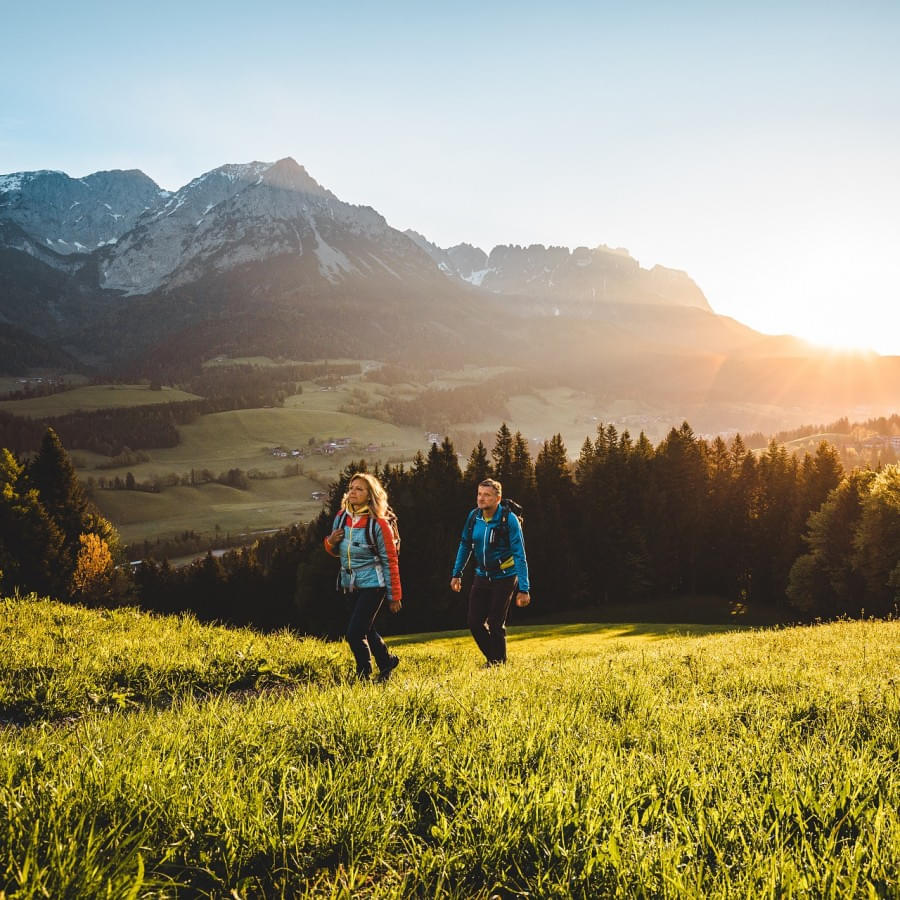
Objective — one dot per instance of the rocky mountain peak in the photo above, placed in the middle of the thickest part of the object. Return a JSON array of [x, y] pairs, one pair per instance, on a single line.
[[562, 280], [289, 175], [77, 215]]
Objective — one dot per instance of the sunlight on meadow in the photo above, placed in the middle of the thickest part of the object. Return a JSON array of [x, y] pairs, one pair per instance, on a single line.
[[156, 757]]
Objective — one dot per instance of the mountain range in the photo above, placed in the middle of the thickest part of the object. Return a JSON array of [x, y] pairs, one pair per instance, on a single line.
[[111, 272]]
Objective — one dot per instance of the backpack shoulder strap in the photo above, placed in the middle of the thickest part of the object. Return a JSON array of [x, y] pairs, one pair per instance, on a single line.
[[370, 534], [470, 526]]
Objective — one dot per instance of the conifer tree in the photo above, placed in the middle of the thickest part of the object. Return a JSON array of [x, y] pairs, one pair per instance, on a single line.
[[502, 453], [478, 467], [825, 580], [520, 480], [551, 549], [585, 462], [680, 482], [31, 544], [552, 470], [52, 473], [877, 542], [776, 533], [823, 476], [719, 522]]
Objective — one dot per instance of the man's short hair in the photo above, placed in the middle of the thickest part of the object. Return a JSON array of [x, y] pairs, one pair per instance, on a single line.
[[492, 483]]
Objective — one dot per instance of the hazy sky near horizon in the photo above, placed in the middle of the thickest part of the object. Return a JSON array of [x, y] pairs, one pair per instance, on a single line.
[[754, 145]]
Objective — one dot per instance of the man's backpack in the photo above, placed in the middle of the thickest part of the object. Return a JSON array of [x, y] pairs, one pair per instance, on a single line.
[[391, 517], [502, 530]]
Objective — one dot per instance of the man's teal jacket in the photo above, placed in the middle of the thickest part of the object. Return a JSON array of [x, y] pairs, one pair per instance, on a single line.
[[495, 556]]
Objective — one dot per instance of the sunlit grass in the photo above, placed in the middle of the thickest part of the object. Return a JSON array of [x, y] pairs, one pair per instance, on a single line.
[[93, 396], [632, 761], [211, 509]]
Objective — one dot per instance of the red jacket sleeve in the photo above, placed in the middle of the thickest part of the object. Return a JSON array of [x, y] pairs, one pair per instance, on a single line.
[[334, 526], [386, 538]]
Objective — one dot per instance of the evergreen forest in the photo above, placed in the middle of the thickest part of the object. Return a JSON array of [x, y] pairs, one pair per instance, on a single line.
[[627, 524]]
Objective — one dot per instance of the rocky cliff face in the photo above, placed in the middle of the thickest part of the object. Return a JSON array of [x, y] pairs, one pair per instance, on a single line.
[[77, 215], [258, 252], [261, 256], [463, 261], [240, 214], [563, 281]]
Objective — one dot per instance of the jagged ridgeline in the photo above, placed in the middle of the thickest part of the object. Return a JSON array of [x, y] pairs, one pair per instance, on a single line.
[[262, 255], [109, 272]]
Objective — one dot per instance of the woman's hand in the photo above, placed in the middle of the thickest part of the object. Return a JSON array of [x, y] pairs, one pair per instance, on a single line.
[[456, 584], [394, 606], [523, 598], [335, 537]]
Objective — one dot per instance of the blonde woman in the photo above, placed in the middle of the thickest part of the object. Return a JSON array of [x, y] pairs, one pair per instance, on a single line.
[[363, 540]]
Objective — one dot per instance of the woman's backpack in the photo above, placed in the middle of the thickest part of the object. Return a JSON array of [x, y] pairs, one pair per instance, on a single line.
[[391, 517]]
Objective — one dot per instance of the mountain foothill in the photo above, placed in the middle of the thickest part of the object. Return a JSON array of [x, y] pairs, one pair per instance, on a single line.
[[111, 273]]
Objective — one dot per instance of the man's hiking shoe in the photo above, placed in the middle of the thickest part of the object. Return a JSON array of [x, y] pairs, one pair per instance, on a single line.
[[392, 663]]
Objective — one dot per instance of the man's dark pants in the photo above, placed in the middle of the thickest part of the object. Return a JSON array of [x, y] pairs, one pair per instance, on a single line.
[[361, 634], [488, 607]]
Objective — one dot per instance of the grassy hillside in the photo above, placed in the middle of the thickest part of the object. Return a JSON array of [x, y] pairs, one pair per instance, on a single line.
[[93, 396], [210, 508], [148, 757], [244, 439]]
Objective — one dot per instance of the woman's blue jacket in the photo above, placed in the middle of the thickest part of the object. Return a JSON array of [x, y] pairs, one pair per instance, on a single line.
[[363, 566]]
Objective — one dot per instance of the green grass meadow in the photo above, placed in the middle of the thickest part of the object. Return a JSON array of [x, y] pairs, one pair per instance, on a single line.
[[93, 396], [147, 757], [245, 438], [266, 505]]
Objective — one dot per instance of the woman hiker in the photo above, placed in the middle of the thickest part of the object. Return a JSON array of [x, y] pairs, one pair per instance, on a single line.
[[363, 540], [492, 532]]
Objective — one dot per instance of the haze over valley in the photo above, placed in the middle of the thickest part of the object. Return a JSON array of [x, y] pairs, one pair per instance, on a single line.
[[110, 274]]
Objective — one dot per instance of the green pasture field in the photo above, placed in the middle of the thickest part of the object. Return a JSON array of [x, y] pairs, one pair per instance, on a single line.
[[93, 396], [267, 504], [469, 374], [244, 439], [14, 382], [269, 362], [811, 441], [153, 757], [545, 412]]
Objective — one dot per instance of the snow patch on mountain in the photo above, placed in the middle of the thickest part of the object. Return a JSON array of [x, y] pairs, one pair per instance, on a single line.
[[476, 278]]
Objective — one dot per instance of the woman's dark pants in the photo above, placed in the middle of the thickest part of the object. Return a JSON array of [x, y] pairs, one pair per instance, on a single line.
[[488, 607], [361, 634]]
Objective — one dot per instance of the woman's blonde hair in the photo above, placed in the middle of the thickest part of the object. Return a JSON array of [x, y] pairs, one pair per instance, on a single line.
[[378, 499]]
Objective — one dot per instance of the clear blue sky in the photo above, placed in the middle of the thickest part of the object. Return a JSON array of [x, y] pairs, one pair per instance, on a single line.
[[755, 145]]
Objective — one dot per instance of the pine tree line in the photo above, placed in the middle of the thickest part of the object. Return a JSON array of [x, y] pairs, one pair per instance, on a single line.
[[625, 523], [52, 539]]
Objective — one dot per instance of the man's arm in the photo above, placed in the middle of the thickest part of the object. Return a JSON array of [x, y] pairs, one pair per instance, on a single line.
[[517, 546]]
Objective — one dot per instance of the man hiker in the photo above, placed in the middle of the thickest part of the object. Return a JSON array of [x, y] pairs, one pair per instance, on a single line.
[[493, 533]]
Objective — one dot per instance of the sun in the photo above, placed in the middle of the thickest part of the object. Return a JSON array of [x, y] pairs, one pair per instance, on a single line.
[[847, 335]]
